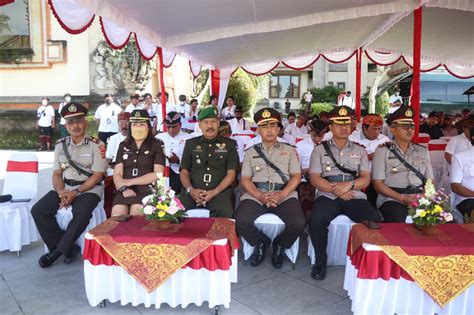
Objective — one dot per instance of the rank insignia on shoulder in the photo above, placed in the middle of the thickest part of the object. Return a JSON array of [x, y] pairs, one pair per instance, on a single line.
[[385, 144], [359, 144], [94, 139], [62, 140]]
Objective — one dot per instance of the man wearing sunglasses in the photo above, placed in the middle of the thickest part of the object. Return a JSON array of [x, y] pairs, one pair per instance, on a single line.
[[400, 168]]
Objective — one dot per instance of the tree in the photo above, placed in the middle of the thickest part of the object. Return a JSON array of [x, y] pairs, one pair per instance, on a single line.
[[327, 94], [242, 89]]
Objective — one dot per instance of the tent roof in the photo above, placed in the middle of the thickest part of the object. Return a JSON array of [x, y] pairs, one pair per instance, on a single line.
[[229, 33]]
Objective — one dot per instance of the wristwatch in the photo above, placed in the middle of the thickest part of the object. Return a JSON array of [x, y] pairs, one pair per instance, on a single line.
[[123, 188], [352, 184], [77, 191], [188, 190]]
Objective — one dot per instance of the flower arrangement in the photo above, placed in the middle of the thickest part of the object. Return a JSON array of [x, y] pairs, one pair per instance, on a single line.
[[162, 204], [432, 208]]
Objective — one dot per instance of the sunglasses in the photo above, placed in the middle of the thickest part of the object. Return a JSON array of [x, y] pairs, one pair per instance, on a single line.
[[406, 127]]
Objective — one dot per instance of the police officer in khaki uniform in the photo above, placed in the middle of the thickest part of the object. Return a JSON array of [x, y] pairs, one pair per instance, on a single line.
[[271, 171], [339, 169], [400, 168], [79, 166], [208, 168]]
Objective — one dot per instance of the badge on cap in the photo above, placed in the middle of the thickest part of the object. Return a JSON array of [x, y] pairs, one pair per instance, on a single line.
[[342, 112], [266, 114], [409, 113], [137, 114], [72, 108]]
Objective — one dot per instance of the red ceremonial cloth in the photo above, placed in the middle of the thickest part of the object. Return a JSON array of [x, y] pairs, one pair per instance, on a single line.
[[450, 239], [27, 167], [151, 256]]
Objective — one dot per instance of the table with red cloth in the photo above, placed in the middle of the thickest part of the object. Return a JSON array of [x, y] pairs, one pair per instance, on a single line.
[[135, 262], [397, 269]]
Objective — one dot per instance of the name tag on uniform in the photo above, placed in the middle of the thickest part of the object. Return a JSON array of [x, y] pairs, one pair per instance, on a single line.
[[355, 156], [220, 148], [283, 153], [85, 155]]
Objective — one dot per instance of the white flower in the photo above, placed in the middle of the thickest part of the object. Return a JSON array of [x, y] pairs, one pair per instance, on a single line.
[[159, 175], [429, 189], [146, 199], [171, 193], [448, 217], [172, 210], [417, 213], [148, 210], [424, 202]]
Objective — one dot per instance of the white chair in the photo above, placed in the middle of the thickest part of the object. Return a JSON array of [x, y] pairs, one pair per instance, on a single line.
[[423, 139], [64, 216], [17, 227], [338, 236], [271, 225], [436, 151]]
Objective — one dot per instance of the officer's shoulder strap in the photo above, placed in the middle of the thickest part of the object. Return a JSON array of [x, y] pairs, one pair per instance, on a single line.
[[359, 144], [385, 144], [288, 144], [94, 139], [62, 140], [248, 148], [419, 146]]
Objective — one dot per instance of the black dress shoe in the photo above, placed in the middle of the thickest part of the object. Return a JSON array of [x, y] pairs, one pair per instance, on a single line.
[[278, 255], [318, 272], [258, 255], [72, 255], [48, 259]]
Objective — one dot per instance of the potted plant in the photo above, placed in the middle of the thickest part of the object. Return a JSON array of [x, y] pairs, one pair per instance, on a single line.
[[430, 209], [162, 205]]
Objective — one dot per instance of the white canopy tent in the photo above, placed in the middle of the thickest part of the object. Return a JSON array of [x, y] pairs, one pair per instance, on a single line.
[[257, 35]]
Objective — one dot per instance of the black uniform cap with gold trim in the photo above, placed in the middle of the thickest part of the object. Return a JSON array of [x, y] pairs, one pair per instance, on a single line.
[[341, 115], [402, 116], [266, 115], [139, 115], [72, 110]]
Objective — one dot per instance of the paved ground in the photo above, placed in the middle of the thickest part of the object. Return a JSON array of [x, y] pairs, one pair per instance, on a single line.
[[25, 288]]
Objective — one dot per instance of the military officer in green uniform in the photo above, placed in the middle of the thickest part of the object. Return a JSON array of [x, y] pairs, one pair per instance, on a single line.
[[339, 169], [209, 168], [271, 171], [400, 167], [79, 166]]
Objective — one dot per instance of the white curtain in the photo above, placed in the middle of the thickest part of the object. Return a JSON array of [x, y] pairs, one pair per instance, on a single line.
[[195, 68], [116, 36], [224, 84], [147, 49], [73, 16]]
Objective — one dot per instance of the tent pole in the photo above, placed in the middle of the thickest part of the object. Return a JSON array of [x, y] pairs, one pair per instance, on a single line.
[[358, 79], [162, 87], [415, 97]]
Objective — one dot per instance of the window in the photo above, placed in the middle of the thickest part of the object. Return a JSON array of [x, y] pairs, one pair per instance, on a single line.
[[15, 31], [285, 86], [330, 83], [371, 67], [444, 91], [341, 85], [338, 67]]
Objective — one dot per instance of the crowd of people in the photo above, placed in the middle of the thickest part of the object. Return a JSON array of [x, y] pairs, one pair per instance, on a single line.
[[306, 169]]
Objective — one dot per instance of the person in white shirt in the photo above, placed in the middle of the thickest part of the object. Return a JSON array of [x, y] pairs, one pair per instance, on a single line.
[[154, 111], [169, 107], [62, 128], [461, 142], [287, 137], [395, 101], [298, 128], [462, 181], [213, 101], [190, 123], [116, 139], [305, 148], [229, 112], [290, 118], [106, 114], [347, 100], [183, 108], [239, 123], [45, 123], [370, 136], [173, 140], [225, 130], [134, 103]]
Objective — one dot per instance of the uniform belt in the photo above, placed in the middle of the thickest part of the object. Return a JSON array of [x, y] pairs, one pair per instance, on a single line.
[[408, 190], [72, 182], [269, 186], [339, 178]]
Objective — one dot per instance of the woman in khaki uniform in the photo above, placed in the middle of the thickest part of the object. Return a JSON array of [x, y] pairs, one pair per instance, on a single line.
[[139, 158]]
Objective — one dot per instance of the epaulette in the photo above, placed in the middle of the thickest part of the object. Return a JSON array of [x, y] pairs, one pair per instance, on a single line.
[[385, 144], [322, 142], [419, 145], [61, 140], [248, 148], [94, 139], [359, 144]]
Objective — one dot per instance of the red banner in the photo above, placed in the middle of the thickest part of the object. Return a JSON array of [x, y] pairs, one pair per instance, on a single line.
[[27, 167]]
